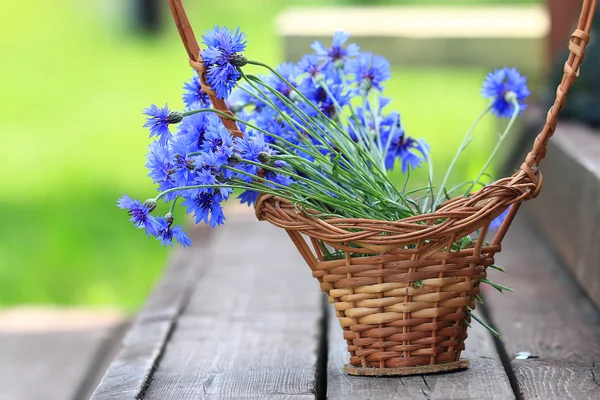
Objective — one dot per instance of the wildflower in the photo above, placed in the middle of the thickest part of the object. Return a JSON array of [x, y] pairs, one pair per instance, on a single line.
[[337, 53], [248, 197], [182, 172], [222, 59], [166, 232], [193, 95], [205, 206], [277, 177], [193, 128], [500, 85], [251, 148], [497, 222], [290, 73], [326, 100], [218, 140], [140, 214], [158, 122], [159, 163], [310, 64], [410, 151], [369, 71], [210, 171]]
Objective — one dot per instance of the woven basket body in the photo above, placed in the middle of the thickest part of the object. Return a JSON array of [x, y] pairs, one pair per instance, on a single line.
[[402, 289]]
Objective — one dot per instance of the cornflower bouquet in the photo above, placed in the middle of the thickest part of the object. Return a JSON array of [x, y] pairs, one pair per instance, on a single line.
[[316, 133], [318, 136]]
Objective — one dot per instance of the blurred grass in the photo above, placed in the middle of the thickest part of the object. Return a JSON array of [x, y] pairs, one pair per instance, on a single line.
[[75, 82]]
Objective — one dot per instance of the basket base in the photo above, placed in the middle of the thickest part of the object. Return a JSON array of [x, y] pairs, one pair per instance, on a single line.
[[402, 371]]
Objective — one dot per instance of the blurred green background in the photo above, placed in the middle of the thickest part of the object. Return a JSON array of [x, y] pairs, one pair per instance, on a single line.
[[75, 78]]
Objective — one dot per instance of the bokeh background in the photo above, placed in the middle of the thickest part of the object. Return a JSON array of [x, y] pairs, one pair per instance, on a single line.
[[75, 77]]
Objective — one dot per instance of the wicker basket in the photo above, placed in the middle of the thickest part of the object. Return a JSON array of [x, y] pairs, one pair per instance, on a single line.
[[400, 292]]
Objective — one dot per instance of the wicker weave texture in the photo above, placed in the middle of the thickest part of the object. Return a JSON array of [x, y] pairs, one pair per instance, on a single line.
[[399, 305]]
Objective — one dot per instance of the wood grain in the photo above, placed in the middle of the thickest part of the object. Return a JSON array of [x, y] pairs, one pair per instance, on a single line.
[[55, 365], [251, 328], [567, 210], [485, 379], [130, 372], [547, 316]]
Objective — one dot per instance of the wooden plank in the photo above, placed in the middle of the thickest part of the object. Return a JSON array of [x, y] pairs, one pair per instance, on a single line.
[[485, 379], [547, 316], [54, 354], [454, 36], [129, 373], [251, 329], [567, 208]]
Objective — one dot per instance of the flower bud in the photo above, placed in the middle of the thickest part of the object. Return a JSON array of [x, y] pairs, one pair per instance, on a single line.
[[150, 204], [175, 117], [366, 84], [264, 157], [510, 96], [235, 159], [339, 64], [169, 218], [239, 60], [318, 79]]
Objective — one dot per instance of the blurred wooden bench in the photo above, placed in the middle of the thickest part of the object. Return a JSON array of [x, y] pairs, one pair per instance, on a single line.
[[54, 353], [475, 36], [238, 316]]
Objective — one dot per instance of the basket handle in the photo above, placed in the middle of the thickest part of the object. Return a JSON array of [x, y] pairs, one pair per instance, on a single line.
[[579, 39], [194, 53]]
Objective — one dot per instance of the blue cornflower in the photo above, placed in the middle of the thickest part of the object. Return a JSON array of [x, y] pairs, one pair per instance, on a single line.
[[222, 59], [158, 122], [410, 151], [290, 72], [166, 233], [240, 99], [183, 165], [218, 139], [248, 197], [501, 82], [497, 222], [327, 102], [210, 172], [369, 71], [206, 207], [140, 214], [279, 178], [310, 64], [193, 128], [337, 52], [250, 148], [193, 95], [159, 163]]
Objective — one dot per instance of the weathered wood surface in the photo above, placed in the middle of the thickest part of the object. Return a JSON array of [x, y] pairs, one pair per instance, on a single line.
[[548, 316], [567, 209], [251, 329], [52, 354], [238, 318], [485, 379], [129, 374]]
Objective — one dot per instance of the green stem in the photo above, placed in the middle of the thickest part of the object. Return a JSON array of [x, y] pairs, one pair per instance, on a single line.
[[461, 148], [516, 112]]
